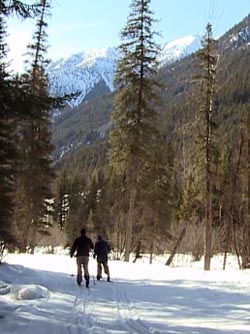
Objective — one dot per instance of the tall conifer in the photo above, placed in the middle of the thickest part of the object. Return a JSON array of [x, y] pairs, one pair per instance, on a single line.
[[207, 62], [9, 100], [6, 139], [34, 183], [135, 118]]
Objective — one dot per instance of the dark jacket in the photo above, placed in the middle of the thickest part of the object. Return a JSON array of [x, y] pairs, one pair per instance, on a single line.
[[101, 250], [82, 245]]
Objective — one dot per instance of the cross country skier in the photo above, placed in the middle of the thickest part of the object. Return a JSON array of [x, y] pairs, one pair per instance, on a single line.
[[101, 251], [82, 245]]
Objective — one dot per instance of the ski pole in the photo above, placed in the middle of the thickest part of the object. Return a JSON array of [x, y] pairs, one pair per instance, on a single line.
[[93, 279]]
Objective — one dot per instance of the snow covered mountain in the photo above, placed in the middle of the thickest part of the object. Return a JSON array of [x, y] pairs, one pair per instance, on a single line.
[[82, 72], [86, 71], [179, 49]]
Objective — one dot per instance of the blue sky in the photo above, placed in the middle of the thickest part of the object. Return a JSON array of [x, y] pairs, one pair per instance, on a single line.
[[78, 25]]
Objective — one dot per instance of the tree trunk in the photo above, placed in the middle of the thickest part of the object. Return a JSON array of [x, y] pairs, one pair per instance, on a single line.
[[130, 224], [228, 237], [230, 223], [138, 251], [181, 237], [208, 230], [247, 265], [151, 252], [236, 247], [2, 248], [246, 229], [33, 237]]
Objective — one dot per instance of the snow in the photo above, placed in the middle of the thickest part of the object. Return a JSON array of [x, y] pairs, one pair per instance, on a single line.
[[180, 48], [242, 37], [39, 294]]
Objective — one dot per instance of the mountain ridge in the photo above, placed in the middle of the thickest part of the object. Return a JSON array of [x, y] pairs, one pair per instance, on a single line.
[[85, 70]]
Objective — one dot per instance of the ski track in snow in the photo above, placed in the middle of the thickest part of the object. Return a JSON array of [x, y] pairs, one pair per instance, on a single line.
[[92, 314]]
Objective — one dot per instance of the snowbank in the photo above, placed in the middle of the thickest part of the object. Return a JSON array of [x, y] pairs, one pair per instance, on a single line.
[[24, 292]]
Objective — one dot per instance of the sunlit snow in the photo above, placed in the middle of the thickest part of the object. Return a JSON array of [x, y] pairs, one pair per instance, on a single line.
[[39, 294], [179, 49]]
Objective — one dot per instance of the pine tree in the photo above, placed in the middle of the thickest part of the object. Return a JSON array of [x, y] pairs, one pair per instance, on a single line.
[[206, 78], [34, 182], [246, 196], [157, 198], [61, 205], [6, 140], [10, 7], [135, 118], [78, 207], [10, 99], [238, 222]]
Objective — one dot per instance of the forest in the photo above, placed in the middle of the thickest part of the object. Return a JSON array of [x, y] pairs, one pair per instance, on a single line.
[[164, 164]]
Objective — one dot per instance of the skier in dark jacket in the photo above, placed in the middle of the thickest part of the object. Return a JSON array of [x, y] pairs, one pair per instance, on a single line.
[[82, 245], [101, 251]]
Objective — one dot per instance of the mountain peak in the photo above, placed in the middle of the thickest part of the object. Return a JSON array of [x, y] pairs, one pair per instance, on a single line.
[[179, 48], [85, 70]]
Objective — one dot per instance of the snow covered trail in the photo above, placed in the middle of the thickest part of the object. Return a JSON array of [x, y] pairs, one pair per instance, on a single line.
[[45, 299]]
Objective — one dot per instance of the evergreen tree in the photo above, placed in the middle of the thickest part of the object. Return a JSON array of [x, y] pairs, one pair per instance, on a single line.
[[206, 137], [135, 118], [10, 99], [245, 253], [6, 139], [77, 214], [61, 205], [157, 199], [10, 7], [116, 193], [34, 182]]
